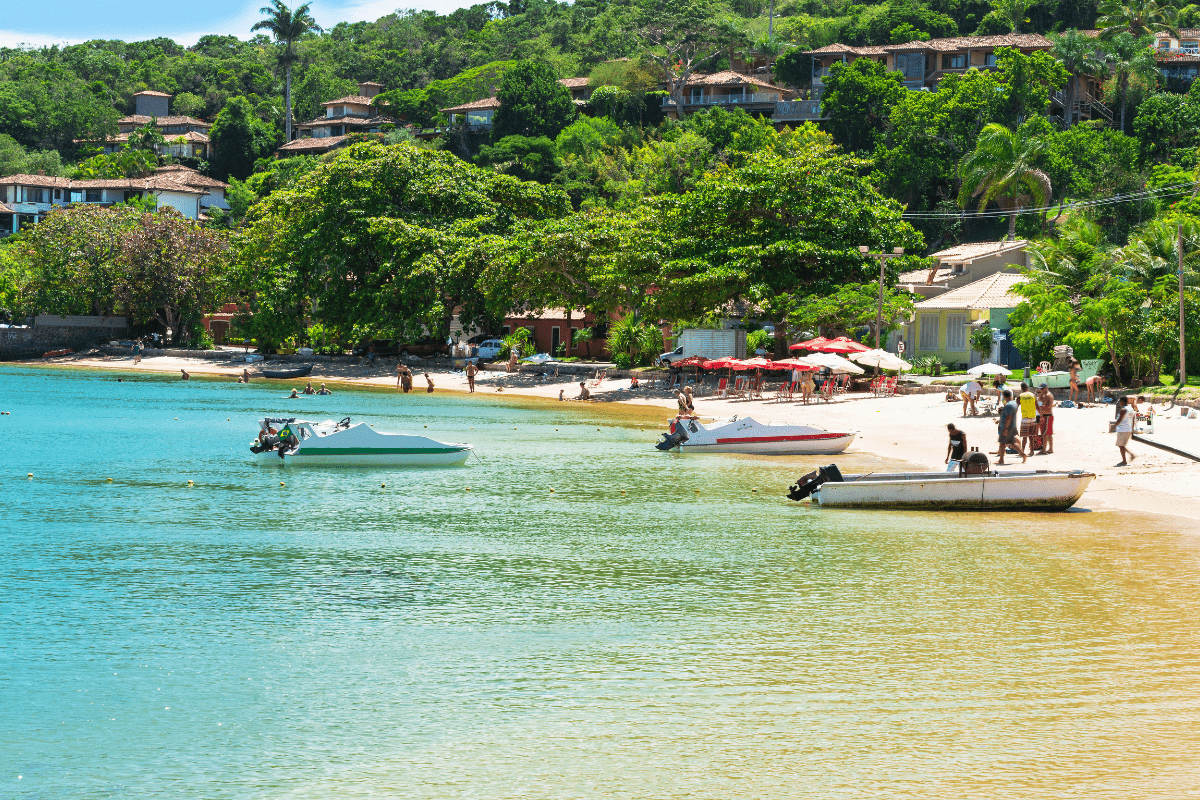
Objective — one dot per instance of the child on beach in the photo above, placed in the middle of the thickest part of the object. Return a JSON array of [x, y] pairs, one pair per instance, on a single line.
[[429, 381]]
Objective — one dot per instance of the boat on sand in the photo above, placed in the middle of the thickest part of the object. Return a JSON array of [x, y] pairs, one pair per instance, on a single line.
[[286, 374], [748, 435], [297, 442], [1035, 490]]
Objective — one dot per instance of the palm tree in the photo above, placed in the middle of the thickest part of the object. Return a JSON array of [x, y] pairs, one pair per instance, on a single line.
[[1137, 17], [287, 26], [1078, 56], [1001, 168], [1128, 57], [1152, 252], [1015, 11]]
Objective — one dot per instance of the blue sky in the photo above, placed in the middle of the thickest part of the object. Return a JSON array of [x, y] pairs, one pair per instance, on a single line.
[[44, 22]]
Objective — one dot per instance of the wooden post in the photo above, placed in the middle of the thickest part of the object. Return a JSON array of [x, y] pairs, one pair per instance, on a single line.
[[1182, 344]]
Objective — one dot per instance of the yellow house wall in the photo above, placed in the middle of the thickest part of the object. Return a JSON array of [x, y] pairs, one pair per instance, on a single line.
[[946, 356]]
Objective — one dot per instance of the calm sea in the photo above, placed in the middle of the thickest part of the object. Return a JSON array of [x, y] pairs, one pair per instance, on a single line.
[[622, 636]]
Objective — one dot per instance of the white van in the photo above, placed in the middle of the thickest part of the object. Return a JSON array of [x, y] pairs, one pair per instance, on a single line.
[[489, 349]]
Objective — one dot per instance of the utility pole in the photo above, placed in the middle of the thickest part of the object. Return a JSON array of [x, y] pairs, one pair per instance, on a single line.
[[1182, 346], [883, 258]]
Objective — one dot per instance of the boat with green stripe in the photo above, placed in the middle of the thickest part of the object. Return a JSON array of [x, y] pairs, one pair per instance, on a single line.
[[296, 442]]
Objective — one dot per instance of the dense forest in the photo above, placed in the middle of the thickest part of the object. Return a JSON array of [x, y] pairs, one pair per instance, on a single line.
[[553, 196]]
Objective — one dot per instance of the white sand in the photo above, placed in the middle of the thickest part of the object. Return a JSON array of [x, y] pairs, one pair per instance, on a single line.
[[910, 429]]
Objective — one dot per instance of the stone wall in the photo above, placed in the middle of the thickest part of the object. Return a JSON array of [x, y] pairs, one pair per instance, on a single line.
[[31, 341]]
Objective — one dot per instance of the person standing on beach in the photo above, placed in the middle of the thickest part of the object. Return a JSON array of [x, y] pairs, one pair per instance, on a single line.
[[1124, 430], [1073, 396], [956, 449], [1045, 409], [1095, 387], [471, 371], [1028, 418], [1006, 426], [137, 351], [970, 396], [428, 380]]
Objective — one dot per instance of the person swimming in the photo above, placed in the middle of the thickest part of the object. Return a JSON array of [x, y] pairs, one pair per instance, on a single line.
[[293, 394], [323, 390]]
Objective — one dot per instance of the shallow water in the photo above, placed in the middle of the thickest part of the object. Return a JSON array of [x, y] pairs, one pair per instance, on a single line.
[[335, 638]]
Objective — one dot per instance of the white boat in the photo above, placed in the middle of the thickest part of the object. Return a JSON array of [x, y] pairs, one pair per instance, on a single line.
[[297, 442], [1039, 490], [748, 435], [1058, 379]]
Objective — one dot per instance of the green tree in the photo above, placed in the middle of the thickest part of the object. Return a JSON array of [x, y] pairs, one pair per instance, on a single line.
[[1166, 122], [288, 26], [1001, 169], [1128, 58], [527, 158], [1029, 79], [1014, 12], [124, 163], [171, 273], [1136, 17], [682, 36], [532, 102], [794, 68], [238, 139], [1077, 53], [858, 100], [146, 138]]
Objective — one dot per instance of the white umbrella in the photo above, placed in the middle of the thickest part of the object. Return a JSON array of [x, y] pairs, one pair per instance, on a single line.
[[989, 369], [834, 362], [882, 359]]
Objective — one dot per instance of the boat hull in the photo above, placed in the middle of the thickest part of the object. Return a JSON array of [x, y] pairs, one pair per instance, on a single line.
[[323, 457], [816, 444], [286, 374], [949, 491]]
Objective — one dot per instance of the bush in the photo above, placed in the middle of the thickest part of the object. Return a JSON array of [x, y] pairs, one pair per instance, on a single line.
[[622, 360], [520, 339], [758, 340], [1086, 344]]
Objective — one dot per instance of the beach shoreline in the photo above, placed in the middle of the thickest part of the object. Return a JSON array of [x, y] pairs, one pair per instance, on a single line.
[[908, 429]]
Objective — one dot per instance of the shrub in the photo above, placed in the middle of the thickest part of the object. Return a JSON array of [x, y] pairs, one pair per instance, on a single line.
[[758, 340]]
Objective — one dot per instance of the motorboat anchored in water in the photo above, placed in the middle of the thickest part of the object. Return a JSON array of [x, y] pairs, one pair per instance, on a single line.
[[748, 435], [1039, 490], [297, 442]]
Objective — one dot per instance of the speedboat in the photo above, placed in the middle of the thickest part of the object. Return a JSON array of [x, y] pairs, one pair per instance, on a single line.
[[1039, 490], [297, 442], [748, 435], [1061, 379]]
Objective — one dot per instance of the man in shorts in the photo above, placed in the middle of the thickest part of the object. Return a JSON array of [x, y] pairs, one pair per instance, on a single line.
[[1028, 404], [1045, 410], [970, 396], [471, 371], [1006, 426]]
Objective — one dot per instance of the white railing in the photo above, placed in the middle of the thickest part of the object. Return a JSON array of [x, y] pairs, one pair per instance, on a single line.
[[730, 99], [797, 109]]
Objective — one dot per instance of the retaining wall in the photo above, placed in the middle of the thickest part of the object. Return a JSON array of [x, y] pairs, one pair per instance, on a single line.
[[20, 342]]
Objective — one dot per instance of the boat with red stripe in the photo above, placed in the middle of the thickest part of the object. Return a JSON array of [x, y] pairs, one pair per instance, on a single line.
[[748, 435]]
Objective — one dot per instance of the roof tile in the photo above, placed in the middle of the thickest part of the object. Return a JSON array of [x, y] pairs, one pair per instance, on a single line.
[[994, 291]]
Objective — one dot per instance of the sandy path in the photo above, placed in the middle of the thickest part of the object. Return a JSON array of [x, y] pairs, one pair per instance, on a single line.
[[910, 429]]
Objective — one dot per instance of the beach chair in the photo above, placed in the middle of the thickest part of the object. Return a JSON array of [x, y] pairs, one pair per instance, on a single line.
[[721, 387], [840, 382], [599, 377], [782, 393], [890, 389]]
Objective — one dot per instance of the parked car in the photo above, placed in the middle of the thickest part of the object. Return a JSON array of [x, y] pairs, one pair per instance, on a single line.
[[489, 349], [425, 346], [673, 356]]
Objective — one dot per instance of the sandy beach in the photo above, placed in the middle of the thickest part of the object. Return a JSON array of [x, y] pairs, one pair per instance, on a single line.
[[910, 429]]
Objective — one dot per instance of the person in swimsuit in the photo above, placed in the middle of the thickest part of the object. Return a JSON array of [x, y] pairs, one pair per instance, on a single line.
[[1045, 410], [956, 449], [1074, 394], [183, 375], [308, 388], [428, 380], [1095, 387], [471, 371], [323, 390]]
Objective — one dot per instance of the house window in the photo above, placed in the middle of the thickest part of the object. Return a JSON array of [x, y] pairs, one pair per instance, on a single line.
[[956, 332], [911, 65], [58, 194], [989, 60], [504, 331], [1190, 47], [1164, 45], [954, 61], [92, 195], [554, 340], [336, 130], [929, 332]]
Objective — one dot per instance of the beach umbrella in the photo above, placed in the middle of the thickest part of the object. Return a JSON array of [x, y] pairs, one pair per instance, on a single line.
[[795, 363], [881, 359], [691, 361], [843, 344], [720, 363], [758, 362], [835, 362], [989, 369], [811, 344]]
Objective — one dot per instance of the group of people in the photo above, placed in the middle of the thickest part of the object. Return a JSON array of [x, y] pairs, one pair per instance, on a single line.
[[308, 389], [1025, 423], [404, 380]]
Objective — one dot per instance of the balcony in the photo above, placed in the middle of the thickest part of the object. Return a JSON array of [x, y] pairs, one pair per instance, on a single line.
[[797, 110], [727, 99]]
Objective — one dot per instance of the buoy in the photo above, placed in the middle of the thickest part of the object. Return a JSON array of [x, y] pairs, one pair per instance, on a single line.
[[383, 486], [552, 488], [622, 494], [697, 491], [281, 483], [31, 475], [108, 480], [468, 488], [754, 491], [426, 426], [191, 483]]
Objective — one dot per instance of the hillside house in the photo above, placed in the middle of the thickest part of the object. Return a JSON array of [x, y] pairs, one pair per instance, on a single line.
[[187, 137], [1178, 57], [965, 263], [756, 95], [942, 325], [343, 117]]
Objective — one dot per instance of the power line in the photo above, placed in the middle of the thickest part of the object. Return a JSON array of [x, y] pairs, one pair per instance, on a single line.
[[1163, 191]]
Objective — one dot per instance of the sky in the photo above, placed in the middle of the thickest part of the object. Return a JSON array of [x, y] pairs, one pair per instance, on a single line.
[[43, 22]]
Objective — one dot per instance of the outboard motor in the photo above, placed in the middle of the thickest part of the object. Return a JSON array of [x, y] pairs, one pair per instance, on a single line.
[[974, 463], [809, 483], [674, 437]]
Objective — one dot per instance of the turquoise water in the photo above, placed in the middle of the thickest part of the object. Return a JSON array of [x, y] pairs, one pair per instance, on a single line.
[[239, 639]]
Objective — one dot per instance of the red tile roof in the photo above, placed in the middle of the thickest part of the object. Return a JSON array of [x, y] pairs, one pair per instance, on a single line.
[[189, 176], [730, 78], [474, 105], [149, 93], [574, 83], [24, 179], [1023, 41], [994, 291], [158, 182], [354, 99], [316, 144], [142, 119], [838, 48]]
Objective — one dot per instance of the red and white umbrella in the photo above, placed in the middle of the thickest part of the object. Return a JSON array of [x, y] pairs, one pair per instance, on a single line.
[[843, 344], [758, 362], [812, 344]]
